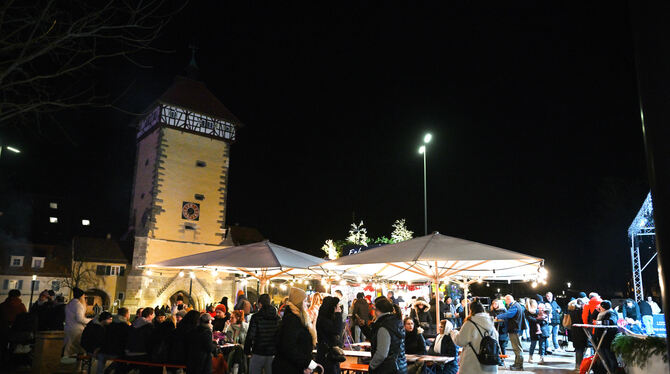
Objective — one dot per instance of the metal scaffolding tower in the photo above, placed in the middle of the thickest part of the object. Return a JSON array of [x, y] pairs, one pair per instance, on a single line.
[[642, 225]]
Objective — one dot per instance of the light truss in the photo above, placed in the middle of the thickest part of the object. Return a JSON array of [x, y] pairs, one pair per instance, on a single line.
[[642, 225]]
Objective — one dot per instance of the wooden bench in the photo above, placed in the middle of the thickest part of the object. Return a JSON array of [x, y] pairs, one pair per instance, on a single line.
[[86, 361], [350, 368]]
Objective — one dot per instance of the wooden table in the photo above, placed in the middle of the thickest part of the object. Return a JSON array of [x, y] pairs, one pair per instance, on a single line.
[[587, 330]]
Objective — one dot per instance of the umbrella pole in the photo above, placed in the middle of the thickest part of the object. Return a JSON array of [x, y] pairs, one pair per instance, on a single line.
[[437, 302], [465, 296]]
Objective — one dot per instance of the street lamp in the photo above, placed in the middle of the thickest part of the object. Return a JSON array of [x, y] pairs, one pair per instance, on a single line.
[[32, 290], [9, 148], [569, 284], [422, 150]]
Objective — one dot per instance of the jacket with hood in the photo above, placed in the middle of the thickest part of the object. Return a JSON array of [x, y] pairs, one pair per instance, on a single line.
[[361, 308], [263, 327], [421, 312], [329, 333], [415, 344], [470, 338]]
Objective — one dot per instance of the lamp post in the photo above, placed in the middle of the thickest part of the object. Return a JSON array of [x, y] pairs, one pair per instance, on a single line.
[[423, 150], [32, 289], [9, 148]]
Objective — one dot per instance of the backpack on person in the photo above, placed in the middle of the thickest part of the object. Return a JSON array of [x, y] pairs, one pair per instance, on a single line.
[[489, 349]]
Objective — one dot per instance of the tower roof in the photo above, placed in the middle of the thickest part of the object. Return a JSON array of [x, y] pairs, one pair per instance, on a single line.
[[193, 95]]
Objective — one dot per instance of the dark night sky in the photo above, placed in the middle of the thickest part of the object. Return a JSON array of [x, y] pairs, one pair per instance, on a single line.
[[536, 145]]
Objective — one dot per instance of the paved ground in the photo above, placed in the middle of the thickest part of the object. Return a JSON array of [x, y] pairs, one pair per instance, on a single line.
[[559, 363]]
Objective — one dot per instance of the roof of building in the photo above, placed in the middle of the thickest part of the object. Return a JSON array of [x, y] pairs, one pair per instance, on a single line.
[[193, 95], [56, 258], [107, 250], [239, 235]]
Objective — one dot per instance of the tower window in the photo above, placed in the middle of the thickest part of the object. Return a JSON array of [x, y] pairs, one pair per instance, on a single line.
[[53, 219], [146, 162], [16, 261], [200, 164], [199, 196], [38, 262], [188, 226], [53, 205], [142, 195], [85, 222]]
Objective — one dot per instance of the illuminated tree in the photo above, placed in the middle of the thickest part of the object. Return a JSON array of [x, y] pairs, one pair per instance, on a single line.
[[330, 249], [400, 231], [358, 234]]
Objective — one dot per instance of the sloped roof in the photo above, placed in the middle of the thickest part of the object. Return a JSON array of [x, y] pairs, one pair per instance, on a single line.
[[89, 249], [56, 258], [193, 95]]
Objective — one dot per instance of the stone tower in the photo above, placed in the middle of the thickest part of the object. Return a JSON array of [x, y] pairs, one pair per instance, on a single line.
[[179, 196]]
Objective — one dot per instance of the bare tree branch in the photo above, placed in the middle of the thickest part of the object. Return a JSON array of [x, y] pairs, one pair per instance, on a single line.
[[47, 45]]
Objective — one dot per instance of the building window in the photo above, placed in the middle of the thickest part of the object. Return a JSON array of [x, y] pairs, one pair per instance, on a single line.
[[199, 196], [16, 261], [85, 222], [55, 286], [53, 219], [110, 270], [188, 226], [146, 162], [200, 164], [121, 295], [100, 270], [38, 263], [115, 270], [142, 196], [53, 205], [172, 114], [12, 284]]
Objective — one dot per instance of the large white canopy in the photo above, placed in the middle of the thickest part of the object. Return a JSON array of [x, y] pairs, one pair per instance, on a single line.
[[438, 256], [263, 260]]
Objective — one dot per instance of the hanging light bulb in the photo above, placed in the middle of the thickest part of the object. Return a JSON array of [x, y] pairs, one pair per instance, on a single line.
[[215, 272], [244, 282], [149, 272], [480, 280], [291, 284], [218, 281], [359, 280], [181, 274], [534, 284], [487, 284], [192, 275], [282, 287], [498, 290]]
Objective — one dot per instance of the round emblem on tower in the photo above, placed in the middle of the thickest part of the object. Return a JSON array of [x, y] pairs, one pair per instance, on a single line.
[[190, 211]]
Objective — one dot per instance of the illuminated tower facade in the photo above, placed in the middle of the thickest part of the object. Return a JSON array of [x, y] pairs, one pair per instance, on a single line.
[[179, 196]]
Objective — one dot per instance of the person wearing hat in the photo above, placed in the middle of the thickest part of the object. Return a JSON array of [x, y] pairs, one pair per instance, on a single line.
[[200, 347], [444, 346], [606, 317], [179, 305], [421, 313], [296, 339], [220, 317], [75, 322], [260, 340]]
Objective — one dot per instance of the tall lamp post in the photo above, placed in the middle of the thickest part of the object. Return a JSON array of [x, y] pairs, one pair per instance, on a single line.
[[9, 149], [32, 289], [422, 150]]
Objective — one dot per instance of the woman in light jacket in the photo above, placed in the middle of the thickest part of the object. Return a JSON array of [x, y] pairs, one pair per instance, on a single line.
[[236, 328], [469, 338], [75, 321]]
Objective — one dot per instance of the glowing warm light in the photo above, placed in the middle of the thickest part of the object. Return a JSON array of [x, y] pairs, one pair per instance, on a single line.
[[149, 272], [282, 287], [427, 138], [53, 219], [569, 284], [343, 282], [181, 274], [324, 282], [534, 284], [85, 222], [244, 282], [218, 281], [215, 272], [192, 275], [34, 277], [422, 149], [487, 284], [480, 280], [13, 149], [359, 279], [498, 290]]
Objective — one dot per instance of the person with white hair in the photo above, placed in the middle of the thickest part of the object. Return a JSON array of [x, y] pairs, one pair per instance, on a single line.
[[444, 346]]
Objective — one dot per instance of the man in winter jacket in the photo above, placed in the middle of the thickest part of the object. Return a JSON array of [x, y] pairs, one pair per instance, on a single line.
[[555, 321], [140, 334], [515, 318], [116, 336], [607, 317], [631, 310], [260, 342], [94, 333]]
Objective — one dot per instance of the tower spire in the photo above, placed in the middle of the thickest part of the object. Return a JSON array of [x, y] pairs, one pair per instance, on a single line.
[[192, 68]]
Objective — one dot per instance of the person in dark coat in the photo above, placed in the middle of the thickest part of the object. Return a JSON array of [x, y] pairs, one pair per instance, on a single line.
[[295, 338], [42, 308], [116, 337], [606, 317], [200, 347], [220, 318], [260, 340], [538, 329], [497, 308], [93, 336], [421, 313], [555, 321], [631, 310], [387, 339], [577, 334], [444, 346], [160, 340], [56, 318], [178, 344], [415, 343], [360, 310], [329, 327], [139, 335]]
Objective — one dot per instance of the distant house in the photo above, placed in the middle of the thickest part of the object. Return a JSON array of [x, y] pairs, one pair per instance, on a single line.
[[20, 261], [102, 268]]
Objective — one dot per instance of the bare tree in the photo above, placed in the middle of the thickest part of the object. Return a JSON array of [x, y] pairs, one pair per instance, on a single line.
[[80, 276], [46, 47]]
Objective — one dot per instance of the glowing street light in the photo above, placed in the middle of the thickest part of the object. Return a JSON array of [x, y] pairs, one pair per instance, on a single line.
[[569, 284], [9, 148], [423, 150]]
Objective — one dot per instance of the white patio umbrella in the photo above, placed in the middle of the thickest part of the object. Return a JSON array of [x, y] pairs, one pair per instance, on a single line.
[[263, 260], [439, 257]]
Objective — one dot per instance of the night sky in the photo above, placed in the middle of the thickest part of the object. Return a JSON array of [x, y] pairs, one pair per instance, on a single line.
[[537, 145]]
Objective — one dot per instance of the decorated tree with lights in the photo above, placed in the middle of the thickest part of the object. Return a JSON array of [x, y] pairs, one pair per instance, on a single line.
[[400, 231], [330, 249], [358, 234]]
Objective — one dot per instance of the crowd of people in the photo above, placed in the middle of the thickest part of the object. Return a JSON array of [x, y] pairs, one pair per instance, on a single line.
[[261, 338]]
